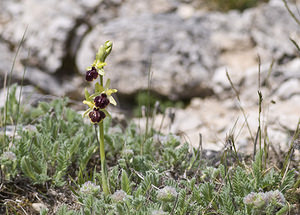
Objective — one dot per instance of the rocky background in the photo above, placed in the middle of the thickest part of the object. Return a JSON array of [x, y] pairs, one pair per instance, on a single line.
[[187, 48]]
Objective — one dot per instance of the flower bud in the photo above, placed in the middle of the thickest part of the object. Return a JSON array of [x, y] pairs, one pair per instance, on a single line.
[[104, 51], [127, 152], [96, 116], [89, 188], [9, 156], [158, 212], [260, 200], [108, 47], [101, 101], [118, 196]]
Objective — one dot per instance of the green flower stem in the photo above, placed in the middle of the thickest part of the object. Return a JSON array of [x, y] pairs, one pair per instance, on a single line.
[[105, 183]]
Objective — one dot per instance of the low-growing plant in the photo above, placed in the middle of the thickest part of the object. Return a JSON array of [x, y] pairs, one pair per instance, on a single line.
[[47, 150], [168, 178]]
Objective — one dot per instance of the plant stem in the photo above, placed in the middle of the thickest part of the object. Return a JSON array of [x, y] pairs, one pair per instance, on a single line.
[[105, 183], [103, 163]]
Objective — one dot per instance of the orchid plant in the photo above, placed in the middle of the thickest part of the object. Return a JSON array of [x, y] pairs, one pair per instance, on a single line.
[[98, 102]]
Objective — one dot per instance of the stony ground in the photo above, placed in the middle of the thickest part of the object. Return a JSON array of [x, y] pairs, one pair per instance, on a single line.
[[187, 48]]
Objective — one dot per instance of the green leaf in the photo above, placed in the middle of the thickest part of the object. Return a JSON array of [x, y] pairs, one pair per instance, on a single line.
[[257, 168], [125, 183], [43, 211], [288, 181], [283, 210], [25, 166]]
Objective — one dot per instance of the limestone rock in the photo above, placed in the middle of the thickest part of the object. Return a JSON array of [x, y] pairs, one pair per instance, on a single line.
[[275, 39], [38, 206], [288, 89], [162, 40], [187, 52]]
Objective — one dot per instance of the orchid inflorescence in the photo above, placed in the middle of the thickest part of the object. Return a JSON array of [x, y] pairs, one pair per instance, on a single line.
[[102, 97], [97, 102]]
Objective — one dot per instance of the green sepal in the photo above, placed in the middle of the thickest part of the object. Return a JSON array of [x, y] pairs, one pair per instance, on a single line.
[[101, 72], [86, 112], [98, 88], [107, 84], [100, 65], [106, 113], [112, 100], [94, 95], [87, 95]]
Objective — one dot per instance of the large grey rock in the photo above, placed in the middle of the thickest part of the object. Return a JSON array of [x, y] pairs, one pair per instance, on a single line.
[[54, 31], [48, 26], [184, 52], [288, 89], [187, 51], [184, 46], [272, 27], [163, 44]]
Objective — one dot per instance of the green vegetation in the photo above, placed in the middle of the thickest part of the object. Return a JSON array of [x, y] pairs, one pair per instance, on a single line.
[[165, 177], [150, 100], [226, 5]]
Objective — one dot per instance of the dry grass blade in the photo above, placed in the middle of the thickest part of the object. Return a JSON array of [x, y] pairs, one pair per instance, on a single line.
[[9, 79], [19, 99], [291, 149], [290, 12], [240, 106]]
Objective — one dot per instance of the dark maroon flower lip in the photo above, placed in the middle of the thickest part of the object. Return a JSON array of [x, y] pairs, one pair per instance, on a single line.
[[88, 76], [91, 74], [96, 116], [101, 101]]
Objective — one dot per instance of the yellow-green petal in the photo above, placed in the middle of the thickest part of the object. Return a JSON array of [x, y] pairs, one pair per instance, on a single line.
[[100, 65], [90, 104], [112, 100], [106, 113], [110, 91]]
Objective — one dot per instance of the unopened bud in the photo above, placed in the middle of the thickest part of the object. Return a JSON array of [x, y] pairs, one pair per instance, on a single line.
[[104, 51], [118, 196], [89, 188]]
